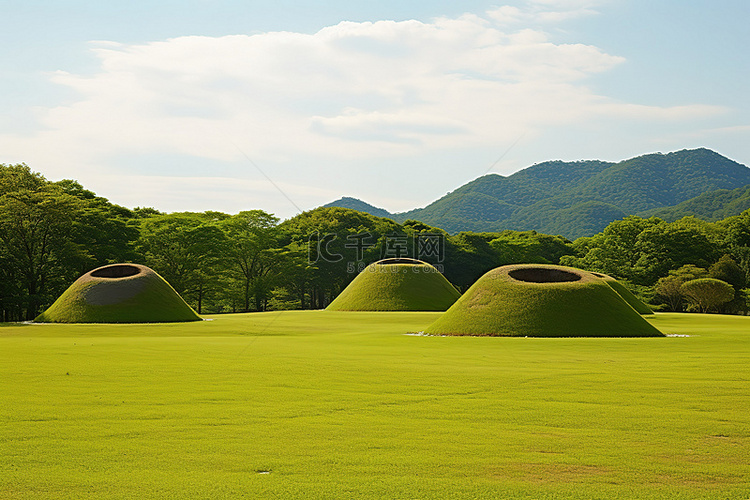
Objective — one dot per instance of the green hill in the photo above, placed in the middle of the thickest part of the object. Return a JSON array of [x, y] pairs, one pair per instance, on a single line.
[[355, 204], [119, 293], [397, 285], [536, 300], [577, 198], [711, 206]]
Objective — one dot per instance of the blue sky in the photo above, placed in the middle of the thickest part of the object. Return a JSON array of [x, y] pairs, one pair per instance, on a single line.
[[195, 105]]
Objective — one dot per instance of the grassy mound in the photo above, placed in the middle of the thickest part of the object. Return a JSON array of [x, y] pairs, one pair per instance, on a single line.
[[119, 293], [397, 285], [626, 294], [536, 300]]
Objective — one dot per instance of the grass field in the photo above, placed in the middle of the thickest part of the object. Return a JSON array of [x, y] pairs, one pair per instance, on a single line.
[[344, 405]]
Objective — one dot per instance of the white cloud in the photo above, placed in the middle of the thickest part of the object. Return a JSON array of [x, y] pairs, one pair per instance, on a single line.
[[348, 92], [545, 12]]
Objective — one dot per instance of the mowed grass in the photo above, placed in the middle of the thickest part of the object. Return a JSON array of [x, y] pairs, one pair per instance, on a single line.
[[344, 405]]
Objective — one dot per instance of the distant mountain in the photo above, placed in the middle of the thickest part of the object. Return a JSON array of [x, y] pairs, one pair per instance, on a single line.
[[355, 204], [576, 198], [710, 206]]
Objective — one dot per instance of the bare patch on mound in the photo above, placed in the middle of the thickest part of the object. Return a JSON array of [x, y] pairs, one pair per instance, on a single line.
[[543, 275]]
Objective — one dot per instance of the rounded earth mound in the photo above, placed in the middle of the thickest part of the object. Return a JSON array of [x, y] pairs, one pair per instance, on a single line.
[[626, 294], [536, 300], [119, 293], [397, 285]]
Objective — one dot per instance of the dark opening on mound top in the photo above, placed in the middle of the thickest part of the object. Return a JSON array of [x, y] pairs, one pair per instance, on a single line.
[[398, 260], [119, 293], [115, 271], [537, 300], [543, 275]]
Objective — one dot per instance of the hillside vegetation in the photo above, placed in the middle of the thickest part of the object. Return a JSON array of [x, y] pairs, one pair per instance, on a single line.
[[580, 198], [711, 206]]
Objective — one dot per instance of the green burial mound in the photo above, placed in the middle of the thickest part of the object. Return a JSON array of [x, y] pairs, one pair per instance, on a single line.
[[536, 300], [626, 294], [119, 293], [397, 285]]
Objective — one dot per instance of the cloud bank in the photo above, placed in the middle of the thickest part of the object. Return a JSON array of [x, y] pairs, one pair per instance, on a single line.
[[349, 92]]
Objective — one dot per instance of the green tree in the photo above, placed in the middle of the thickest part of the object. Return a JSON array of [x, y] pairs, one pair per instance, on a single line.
[[530, 247], [706, 294], [187, 250], [295, 273], [339, 243], [107, 231], [614, 251], [469, 256], [253, 253], [727, 269], [36, 219], [668, 288], [666, 246], [737, 237]]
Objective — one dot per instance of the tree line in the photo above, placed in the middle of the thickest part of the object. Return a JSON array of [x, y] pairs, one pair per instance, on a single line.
[[53, 232]]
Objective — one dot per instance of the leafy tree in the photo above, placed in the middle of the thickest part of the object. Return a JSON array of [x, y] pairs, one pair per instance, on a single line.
[[427, 243], [707, 293], [666, 246], [614, 251], [668, 289], [19, 178], [516, 247], [107, 231], [146, 212], [36, 220], [9, 300], [295, 274], [737, 237], [186, 249], [340, 242], [643, 250], [727, 269], [468, 257], [252, 252]]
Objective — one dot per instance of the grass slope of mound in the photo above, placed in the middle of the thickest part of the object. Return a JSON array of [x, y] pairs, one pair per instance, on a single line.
[[119, 293], [626, 294], [537, 300], [397, 285]]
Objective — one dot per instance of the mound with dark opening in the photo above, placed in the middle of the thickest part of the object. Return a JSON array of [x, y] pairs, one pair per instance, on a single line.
[[626, 294], [119, 293], [536, 300], [397, 285]]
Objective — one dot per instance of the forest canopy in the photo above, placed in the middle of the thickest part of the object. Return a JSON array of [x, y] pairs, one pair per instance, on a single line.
[[53, 232]]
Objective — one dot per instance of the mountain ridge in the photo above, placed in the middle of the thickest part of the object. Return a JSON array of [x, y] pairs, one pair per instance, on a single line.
[[577, 198]]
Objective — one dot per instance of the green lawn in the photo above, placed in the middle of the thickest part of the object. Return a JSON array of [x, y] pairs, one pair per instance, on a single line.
[[344, 405]]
